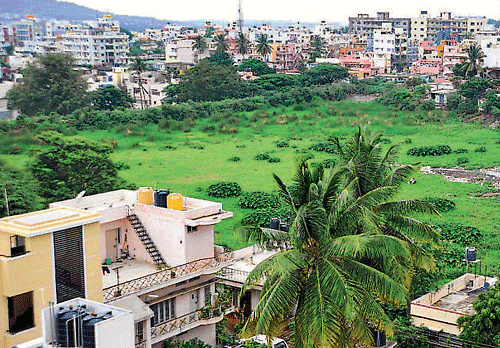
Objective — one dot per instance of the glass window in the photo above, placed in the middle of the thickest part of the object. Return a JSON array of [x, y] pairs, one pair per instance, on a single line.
[[20, 308]]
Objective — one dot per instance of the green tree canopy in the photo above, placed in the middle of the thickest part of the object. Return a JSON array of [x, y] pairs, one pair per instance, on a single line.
[[51, 84], [484, 326], [221, 45], [110, 97], [257, 67], [242, 44], [323, 74], [279, 82], [474, 87], [263, 46], [209, 81], [73, 164], [222, 58], [473, 64]]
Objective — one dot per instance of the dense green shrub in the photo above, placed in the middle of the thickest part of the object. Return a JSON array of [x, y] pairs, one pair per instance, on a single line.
[[328, 163], [324, 147], [282, 144], [436, 150], [234, 159], [262, 217], [461, 151], [258, 200], [480, 149], [224, 189], [462, 234], [262, 157], [462, 160], [442, 205], [274, 160]]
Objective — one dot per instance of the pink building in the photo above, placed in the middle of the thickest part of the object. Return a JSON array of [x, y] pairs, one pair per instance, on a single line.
[[358, 66], [428, 67], [285, 56]]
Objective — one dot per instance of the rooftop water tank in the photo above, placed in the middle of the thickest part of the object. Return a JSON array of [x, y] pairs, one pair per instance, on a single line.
[[175, 201], [161, 198], [145, 195], [274, 224], [69, 323], [470, 254], [89, 323]]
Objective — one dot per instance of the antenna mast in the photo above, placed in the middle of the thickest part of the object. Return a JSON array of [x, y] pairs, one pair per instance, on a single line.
[[240, 16]]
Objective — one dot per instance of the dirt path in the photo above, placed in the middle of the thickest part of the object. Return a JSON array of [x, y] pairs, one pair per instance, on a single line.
[[363, 98], [491, 175]]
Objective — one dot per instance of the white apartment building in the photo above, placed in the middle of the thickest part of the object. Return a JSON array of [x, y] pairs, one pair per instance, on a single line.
[[97, 43], [430, 28], [180, 51]]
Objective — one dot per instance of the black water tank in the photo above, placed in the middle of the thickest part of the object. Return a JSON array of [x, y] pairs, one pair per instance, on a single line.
[[67, 318], [274, 224], [379, 338], [89, 323], [470, 254], [160, 198]]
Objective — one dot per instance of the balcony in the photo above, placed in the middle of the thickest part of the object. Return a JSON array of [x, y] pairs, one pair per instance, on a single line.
[[202, 316], [202, 266]]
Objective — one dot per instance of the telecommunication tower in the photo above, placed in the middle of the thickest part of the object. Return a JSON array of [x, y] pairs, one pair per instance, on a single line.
[[240, 16]]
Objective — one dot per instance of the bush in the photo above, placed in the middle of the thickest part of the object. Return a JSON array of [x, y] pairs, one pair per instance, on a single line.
[[282, 144], [462, 234], [324, 147], [262, 157], [234, 159], [462, 160], [442, 205], [224, 189], [461, 151], [480, 149], [436, 150], [262, 217], [258, 200], [274, 160], [328, 163]]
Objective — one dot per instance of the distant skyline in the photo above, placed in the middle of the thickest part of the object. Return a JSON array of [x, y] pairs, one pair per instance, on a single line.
[[294, 10]]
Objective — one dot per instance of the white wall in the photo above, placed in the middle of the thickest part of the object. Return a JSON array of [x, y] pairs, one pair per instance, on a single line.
[[116, 332]]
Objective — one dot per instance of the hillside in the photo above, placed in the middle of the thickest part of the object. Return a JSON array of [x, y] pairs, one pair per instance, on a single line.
[[50, 9]]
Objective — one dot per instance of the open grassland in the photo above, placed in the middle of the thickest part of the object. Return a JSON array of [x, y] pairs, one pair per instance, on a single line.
[[188, 156]]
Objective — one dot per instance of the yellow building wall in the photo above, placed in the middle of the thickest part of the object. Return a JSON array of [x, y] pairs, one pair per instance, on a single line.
[[25, 273], [93, 270]]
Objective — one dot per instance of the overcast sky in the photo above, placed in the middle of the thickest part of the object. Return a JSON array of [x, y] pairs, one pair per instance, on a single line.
[[307, 11]]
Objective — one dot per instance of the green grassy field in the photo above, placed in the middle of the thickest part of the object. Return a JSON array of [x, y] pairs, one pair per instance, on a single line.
[[189, 156]]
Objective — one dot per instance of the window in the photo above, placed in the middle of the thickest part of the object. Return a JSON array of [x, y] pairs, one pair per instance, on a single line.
[[192, 228], [208, 295], [17, 246], [163, 311], [139, 332], [20, 308]]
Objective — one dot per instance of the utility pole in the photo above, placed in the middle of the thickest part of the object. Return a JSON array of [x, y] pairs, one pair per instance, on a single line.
[[6, 201]]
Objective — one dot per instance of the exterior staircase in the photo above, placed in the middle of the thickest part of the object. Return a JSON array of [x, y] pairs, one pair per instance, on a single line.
[[146, 240]]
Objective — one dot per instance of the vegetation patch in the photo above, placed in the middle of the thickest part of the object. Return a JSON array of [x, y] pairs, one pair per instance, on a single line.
[[259, 200], [461, 234], [224, 189], [442, 205], [324, 147], [436, 150], [262, 157]]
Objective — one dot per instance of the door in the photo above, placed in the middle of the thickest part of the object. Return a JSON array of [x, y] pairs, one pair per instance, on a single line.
[[112, 240], [195, 296]]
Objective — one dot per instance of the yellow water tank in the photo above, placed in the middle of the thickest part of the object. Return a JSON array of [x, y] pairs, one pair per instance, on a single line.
[[175, 201], [145, 195]]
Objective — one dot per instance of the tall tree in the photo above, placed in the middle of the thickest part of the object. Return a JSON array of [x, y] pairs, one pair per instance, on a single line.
[[264, 46], [208, 81], [110, 97], [199, 45], [73, 164], [50, 84], [221, 45], [321, 277], [472, 65], [242, 44]]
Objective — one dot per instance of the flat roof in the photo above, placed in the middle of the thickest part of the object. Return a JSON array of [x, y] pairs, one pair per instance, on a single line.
[[46, 221]]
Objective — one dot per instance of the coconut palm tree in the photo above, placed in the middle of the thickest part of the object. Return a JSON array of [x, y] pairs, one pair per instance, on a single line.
[[221, 45], [473, 64], [370, 169], [322, 278], [242, 44], [199, 45], [263, 46]]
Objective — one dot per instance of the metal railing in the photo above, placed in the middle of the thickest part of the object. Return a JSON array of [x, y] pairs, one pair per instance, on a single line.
[[187, 319], [233, 274], [144, 282]]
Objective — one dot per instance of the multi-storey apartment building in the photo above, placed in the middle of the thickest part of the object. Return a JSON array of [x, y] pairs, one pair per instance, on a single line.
[[364, 25], [446, 26], [159, 262], [47, 256], [97, 43]]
